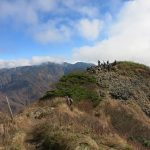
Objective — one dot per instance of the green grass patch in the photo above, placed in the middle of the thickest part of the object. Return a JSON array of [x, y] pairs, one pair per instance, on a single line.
[[79, 86], [132, 69], [131, 65]]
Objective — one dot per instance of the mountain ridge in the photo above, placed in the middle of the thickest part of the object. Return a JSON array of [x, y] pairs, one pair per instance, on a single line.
[[108, 113]]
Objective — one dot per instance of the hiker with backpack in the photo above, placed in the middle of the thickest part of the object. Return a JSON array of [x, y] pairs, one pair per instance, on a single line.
[[69, 101]]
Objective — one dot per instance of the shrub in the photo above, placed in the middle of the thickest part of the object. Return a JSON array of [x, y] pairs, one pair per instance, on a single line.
[[121, 92], [79, 86], [49, 138], [53, 93], [146, 143], [52, 143]]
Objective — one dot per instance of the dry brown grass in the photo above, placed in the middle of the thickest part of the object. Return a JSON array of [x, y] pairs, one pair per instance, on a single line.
[[128, 120], [72, 126], [107, 127], [8, 129]]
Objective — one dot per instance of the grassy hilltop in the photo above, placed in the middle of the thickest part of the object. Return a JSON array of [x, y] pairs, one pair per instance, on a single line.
[[111, 111]]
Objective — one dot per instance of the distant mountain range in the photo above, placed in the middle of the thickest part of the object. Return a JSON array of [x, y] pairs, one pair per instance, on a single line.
[[24, 85]]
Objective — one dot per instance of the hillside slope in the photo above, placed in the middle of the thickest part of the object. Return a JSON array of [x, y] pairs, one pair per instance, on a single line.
[[127, 82], [51, 125], [110, 112]]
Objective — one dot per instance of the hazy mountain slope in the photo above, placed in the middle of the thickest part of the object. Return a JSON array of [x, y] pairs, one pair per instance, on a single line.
[[23, 85]]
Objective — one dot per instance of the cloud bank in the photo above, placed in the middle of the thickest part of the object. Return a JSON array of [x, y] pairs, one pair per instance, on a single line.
[[35, 60], [128, 38]]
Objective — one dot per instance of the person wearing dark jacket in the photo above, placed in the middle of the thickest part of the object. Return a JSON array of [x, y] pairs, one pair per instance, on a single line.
[[69, 101]]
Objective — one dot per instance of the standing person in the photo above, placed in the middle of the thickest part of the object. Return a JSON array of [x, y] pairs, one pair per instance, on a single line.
[[69, 101], [114, 63], [99, 63], [104, 65], [107, 62], [108, 66]]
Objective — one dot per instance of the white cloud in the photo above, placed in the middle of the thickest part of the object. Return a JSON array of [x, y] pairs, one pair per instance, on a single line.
[[36, 17], [88, 11], [18, 12], [82, 7], [25, 11], [47, 33], [35, 60], [45, 5], [29, 15], [89, 29], [128, 38]]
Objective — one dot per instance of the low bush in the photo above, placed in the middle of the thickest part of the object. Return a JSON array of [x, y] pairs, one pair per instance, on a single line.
[[121, 91], [146, 143], [79, 86]]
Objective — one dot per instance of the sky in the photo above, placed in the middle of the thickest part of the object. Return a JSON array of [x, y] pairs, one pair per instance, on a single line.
[[37, 31]]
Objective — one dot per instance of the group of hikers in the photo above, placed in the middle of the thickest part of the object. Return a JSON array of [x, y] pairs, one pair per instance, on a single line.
[[106, 65], [102, 66]]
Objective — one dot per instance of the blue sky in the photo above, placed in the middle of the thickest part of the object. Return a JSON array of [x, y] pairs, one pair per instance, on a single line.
[[35, 31]]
